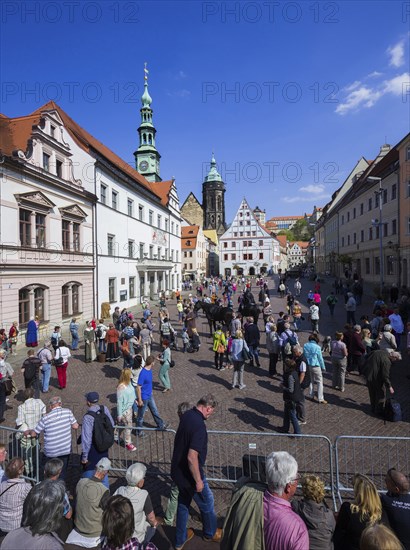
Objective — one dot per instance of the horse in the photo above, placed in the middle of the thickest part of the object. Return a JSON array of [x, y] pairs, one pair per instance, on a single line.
[[214, 313], [248, 308]]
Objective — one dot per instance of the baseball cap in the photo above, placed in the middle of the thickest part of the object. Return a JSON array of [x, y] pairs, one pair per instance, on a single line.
[[92, 397], [104, 464]]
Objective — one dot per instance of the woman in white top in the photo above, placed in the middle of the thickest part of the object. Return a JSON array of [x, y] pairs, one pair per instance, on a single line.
[[61, 358], [145, 522]]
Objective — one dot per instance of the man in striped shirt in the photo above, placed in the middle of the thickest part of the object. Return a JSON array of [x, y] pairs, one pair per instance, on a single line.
[[57, 426]]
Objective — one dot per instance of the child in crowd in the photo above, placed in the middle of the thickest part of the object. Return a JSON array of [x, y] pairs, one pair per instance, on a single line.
[[185, 339]]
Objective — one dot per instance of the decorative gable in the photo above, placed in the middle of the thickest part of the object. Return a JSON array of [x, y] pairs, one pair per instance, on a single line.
[[35, 200], [73, 212]]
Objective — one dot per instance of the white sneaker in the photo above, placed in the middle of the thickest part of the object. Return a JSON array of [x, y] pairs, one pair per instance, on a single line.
[[242, 387]]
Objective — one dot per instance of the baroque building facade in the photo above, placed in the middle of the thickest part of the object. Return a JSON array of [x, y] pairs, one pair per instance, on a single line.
[[79, 226]]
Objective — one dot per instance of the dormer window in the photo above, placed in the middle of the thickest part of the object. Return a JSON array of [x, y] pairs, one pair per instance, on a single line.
[[52, 131]]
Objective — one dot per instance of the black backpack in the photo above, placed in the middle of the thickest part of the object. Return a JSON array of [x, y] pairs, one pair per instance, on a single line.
[[54, 341], [30, 367], [99, 332], [103, 431]]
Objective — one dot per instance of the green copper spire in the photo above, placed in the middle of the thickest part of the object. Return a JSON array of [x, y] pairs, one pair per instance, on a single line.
[[146, 98], [213, 174]]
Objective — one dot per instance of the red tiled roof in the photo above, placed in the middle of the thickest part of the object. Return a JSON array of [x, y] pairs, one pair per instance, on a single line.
[[189, 234], [162, 189], [17, 131], [274, 218]]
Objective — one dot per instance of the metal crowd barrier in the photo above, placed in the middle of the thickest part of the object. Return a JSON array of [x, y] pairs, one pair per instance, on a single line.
[[234, 454], [369, 455], [16, 447], [154, 449]]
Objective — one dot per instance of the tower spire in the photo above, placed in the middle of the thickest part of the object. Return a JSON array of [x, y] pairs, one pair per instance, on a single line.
[[146, 156]]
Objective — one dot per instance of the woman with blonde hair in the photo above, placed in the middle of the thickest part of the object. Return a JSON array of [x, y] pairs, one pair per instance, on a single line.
[[319, 519], [353, 519], [125, 401], [379, 537]]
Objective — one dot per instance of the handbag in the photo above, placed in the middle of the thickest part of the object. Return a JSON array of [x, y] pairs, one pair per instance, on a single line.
[[220, 348], [172, 363], [246, 356], [8, 386], [58, 361]]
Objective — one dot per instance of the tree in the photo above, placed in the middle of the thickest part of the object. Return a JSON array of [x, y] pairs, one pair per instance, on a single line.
[[302, 231], [289, 234]]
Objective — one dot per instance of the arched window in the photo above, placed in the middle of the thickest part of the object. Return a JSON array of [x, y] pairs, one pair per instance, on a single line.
[[219, 203], [76, 298], [150, 138], [24, 306], [64, 301], [144, 138], [39, 303]]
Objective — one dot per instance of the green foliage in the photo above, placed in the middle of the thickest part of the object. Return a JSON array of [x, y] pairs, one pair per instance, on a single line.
[[289, 234], [302, 231]]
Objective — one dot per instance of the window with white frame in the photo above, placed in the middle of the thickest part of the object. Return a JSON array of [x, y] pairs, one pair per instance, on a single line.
[[130, 207], [114, 200], [103, 194], [111, 289], [111, 245]]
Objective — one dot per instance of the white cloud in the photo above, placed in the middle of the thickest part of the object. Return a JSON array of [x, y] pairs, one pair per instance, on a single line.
[[396, 54], [398, 85], [306, 199], [353, 86], [366, 96], [374, 74], [314, 189]]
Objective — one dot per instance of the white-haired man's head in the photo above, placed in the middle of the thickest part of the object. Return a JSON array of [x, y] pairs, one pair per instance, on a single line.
[[281, 473]]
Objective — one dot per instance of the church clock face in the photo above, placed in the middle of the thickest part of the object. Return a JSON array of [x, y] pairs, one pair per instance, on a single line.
[[143, 165]]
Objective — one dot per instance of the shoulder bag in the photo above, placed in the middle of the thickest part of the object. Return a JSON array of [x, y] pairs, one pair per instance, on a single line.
[[58, 361]]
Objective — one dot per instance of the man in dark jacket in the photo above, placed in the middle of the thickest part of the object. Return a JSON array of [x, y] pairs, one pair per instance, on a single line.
[[252, 338], [396, 503], [356, 349], [377, 373], [31, 371]]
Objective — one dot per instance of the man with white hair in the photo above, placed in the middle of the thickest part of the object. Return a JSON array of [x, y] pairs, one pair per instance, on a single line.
[[92, 497], [262, 517]]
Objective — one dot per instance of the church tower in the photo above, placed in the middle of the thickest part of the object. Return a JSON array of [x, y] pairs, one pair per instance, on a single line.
[[213, 200], [146, 156]]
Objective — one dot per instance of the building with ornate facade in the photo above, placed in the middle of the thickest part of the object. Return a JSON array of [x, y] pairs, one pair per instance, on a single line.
[[79, 226], [246, 247]]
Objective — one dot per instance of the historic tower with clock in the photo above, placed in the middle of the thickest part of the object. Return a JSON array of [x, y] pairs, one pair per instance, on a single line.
[[147, 158], [213, 200]]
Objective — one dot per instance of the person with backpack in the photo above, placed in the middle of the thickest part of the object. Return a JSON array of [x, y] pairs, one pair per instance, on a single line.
[[55, 337], [61, 357], [97, 435], [100, 333], [331, 301], [292, 394], [288, 339], [31, 373]]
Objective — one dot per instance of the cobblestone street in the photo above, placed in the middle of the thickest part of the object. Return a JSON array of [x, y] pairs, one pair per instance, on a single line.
[[257, 408]]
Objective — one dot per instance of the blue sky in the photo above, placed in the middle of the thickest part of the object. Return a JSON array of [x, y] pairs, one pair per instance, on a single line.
[[289, 95]]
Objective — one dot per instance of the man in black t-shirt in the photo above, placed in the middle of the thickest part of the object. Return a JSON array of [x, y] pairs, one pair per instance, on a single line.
[[188, 460], [396, 503]]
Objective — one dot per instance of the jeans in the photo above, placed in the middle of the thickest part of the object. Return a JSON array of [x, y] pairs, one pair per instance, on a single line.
[[273, 361], [74, 340], [254, 353], [350, 317], [316, 376], [297, 321], [290, 416], [102, 345], [331, 309], [46, 370], [205, 503], [300, 409], [151, 405], [315, 325]]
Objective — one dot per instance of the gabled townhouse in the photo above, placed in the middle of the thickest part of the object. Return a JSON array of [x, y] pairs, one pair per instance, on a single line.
[[246, 248], [194, 253]]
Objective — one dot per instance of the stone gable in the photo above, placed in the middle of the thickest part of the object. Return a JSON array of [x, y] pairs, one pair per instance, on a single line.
[[192, 211]]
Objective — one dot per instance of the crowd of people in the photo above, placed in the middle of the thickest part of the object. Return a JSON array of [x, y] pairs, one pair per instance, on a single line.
[[366, 346]]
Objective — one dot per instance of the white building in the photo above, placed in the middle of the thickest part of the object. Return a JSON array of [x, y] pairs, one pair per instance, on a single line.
[[79, 226], [297, 251], [246, 248]]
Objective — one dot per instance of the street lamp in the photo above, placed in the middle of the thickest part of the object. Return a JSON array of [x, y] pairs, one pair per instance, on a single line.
[[379, 194]]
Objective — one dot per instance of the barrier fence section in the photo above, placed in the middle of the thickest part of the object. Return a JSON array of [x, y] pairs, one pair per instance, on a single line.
[[234, 454], [369, 455], [154, 449], [26, 448]]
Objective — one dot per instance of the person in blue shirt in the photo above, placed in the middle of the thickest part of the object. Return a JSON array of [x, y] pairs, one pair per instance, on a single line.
[[145, 398]]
